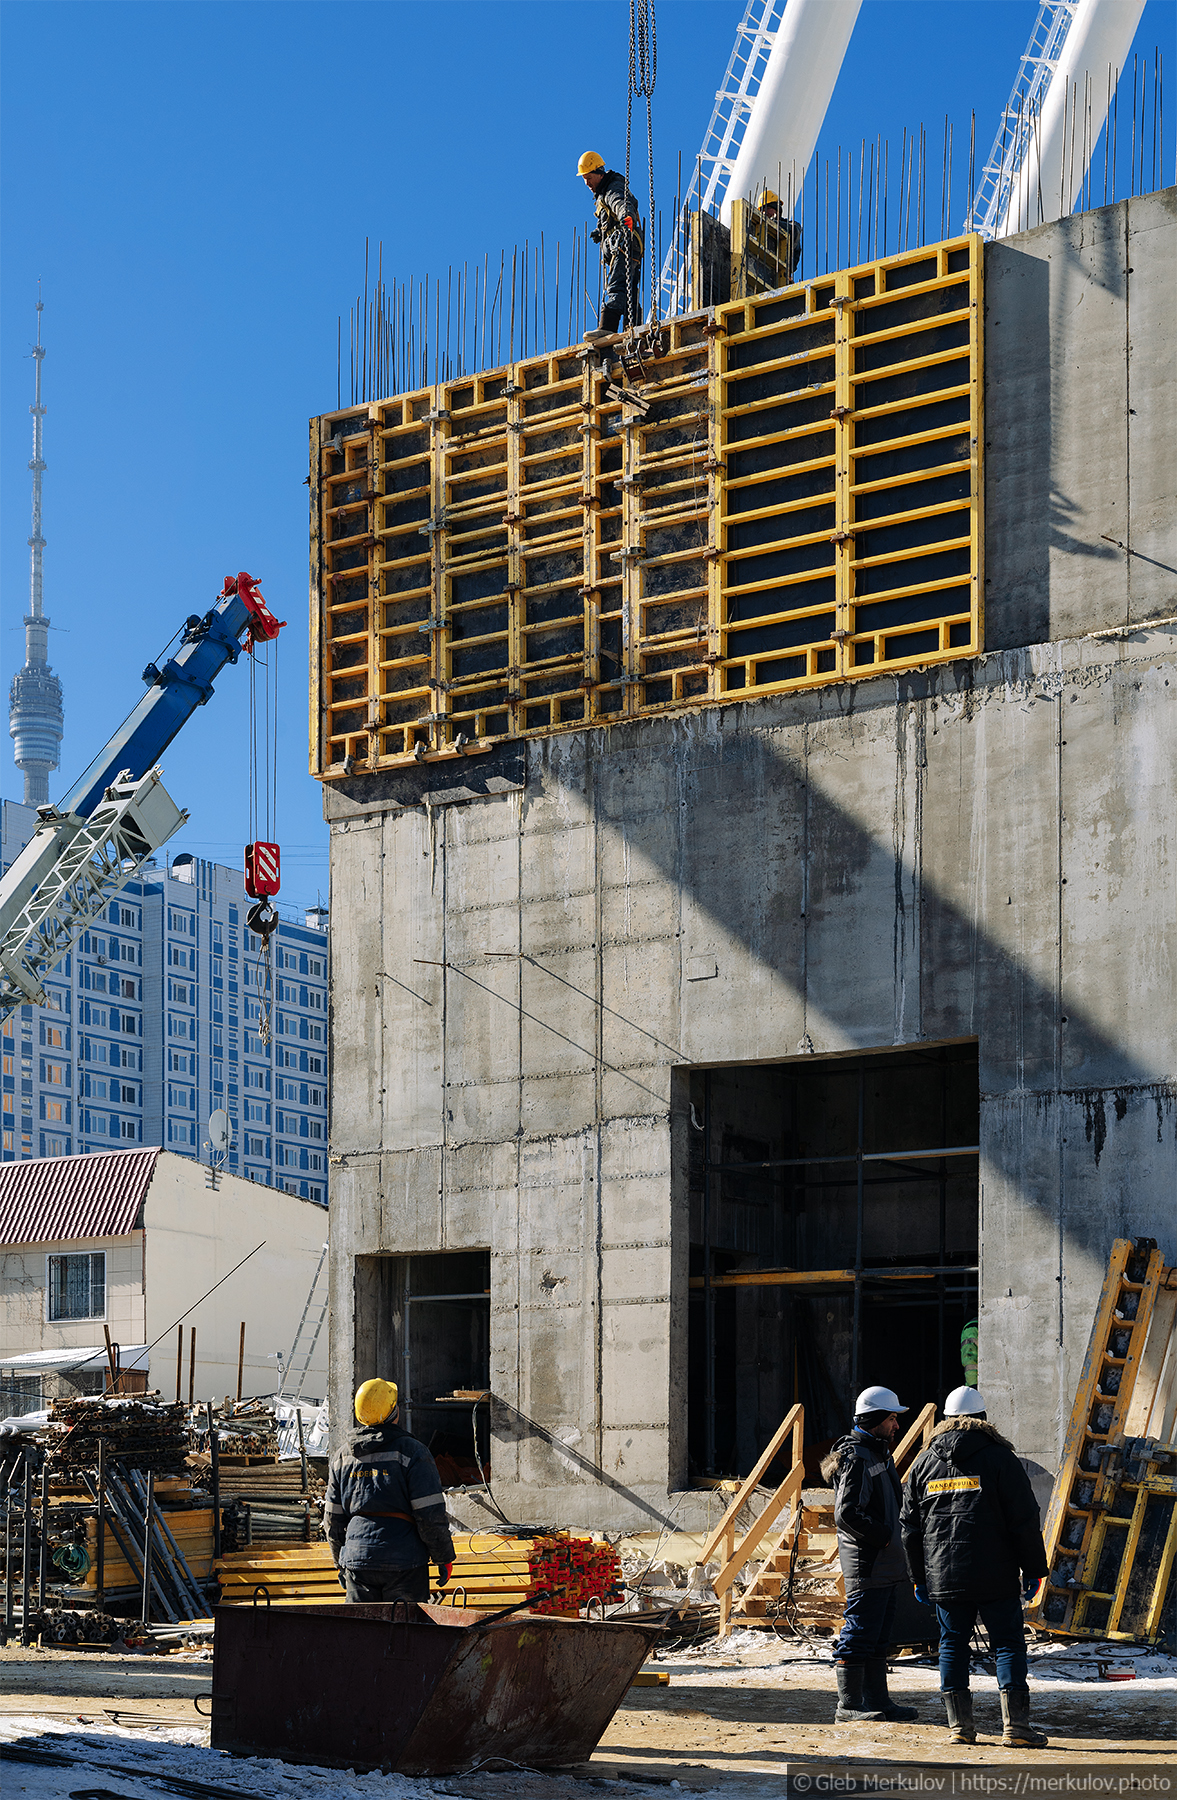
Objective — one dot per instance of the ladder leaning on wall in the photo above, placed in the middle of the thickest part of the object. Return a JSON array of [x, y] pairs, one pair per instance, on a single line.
[[318, 1326], [1111, 1526]]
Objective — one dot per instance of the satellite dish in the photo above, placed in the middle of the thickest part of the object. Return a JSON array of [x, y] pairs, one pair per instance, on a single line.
[[218, 1129]]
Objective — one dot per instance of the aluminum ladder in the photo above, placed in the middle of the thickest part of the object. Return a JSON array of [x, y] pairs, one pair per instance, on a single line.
[[318, 1326]]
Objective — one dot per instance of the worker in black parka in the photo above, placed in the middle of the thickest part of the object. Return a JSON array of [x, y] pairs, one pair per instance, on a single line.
[[971, 1529], [619, 232], [384, 1513], [867, 1498]]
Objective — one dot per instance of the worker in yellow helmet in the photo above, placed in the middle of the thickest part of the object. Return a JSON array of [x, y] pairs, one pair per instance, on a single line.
[[780, 238], [384, 1513], [622, 240]]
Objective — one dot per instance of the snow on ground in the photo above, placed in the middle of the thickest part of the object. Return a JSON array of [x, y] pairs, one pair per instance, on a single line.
[[173, 1751], [760, 1657], [747, 1658]]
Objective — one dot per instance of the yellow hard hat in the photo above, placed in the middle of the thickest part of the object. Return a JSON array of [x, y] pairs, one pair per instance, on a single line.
[[375, 1401], [588, 162], [769, 198]]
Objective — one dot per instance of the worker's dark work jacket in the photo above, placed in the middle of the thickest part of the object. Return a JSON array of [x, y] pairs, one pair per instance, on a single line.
[[867, 1498], [970, 1520], [613, 205], [384, 1471]]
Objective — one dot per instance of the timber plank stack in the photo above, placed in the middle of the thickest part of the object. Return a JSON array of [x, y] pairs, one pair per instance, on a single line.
[[192, 1529], [555, 1572]]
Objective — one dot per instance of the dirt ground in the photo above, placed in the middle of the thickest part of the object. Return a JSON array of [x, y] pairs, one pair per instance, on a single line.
[[730, 1718]]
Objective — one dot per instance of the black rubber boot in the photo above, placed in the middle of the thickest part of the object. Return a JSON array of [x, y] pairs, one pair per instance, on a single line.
[[608, 325], [851, 1710], [959, 1707], [1015, 1718], [875, 1695]]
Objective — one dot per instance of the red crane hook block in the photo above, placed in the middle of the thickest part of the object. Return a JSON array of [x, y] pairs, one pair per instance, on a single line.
[[262, 622], [263, 870]]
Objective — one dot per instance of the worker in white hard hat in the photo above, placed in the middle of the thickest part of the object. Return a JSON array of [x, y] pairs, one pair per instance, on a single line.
[[384, 1512], [619, 233], [867, 1499], [972, 1532]]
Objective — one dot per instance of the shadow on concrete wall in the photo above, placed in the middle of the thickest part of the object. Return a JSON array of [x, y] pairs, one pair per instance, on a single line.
[[509, 1425], [1029, 517], [1050, 1071]]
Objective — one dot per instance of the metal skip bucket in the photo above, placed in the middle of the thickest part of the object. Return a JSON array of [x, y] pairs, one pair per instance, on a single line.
[[426, 1690]]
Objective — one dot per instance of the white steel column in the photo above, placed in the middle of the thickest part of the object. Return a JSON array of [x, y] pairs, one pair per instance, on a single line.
[[794, 95], [1063, 137]]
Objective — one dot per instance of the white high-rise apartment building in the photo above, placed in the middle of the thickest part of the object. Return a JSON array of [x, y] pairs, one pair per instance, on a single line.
[[157, 1018]]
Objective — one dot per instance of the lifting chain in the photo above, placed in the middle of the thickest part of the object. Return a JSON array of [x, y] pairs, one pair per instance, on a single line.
[[643, 73]]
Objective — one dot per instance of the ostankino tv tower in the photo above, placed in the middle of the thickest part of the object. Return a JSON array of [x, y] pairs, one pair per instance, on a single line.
[[36, 720]]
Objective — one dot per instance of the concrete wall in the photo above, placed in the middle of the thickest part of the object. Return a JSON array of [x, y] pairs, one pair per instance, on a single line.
[[983, 851], [1080, 399]]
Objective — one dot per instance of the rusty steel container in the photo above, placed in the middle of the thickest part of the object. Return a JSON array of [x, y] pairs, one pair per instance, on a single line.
[[425, 1690]]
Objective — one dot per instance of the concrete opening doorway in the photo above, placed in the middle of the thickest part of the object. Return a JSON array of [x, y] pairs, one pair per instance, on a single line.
[[833, 1242], [424, 1322]]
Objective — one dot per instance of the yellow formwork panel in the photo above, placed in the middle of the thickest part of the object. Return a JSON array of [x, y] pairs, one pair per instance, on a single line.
[[789, 495], [849, 432]]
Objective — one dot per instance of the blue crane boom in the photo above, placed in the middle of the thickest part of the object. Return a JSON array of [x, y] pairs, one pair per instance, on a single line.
[[118, 813], [184, 683]]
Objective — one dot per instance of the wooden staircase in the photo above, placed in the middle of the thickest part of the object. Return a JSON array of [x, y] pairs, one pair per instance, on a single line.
[[807, 1540], [818, 1592]]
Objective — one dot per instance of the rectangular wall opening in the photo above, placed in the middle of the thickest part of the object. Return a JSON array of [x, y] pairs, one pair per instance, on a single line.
[[833, 1242], [424, 1322]]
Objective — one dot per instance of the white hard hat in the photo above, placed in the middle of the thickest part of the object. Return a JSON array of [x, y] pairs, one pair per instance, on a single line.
[[878, 1399], [963, 1400]]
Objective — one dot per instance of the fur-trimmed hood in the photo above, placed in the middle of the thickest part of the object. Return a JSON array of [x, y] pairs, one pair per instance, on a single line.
[[831, 1462], [967, 1423]]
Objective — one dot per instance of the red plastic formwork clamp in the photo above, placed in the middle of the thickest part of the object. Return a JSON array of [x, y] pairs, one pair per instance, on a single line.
[[262, 623], [263, 870]]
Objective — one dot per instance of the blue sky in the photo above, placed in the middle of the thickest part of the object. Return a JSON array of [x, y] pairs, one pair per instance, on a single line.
[[193, 184]]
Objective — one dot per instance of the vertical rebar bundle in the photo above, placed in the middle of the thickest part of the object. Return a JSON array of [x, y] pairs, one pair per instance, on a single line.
[[849, 206]]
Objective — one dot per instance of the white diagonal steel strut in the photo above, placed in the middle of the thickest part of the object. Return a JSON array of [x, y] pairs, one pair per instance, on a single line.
[[1016, 126], [68, 871], [755, 36]]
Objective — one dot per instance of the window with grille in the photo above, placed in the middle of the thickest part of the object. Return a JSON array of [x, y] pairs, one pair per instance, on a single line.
[[77, 1285]]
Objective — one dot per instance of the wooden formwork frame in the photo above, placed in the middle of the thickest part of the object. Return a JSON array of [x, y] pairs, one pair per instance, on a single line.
[[1111, 1474], [427, 509]]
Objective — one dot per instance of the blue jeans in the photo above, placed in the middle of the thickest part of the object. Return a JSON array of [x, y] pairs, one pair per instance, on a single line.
[[1002, 1620], [866, 1630]]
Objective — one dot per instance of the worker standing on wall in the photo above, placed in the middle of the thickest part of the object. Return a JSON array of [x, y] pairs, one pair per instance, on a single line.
[[619, 233], [867, 1498], [974, 1542], [780, 238], [384, 1513]]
